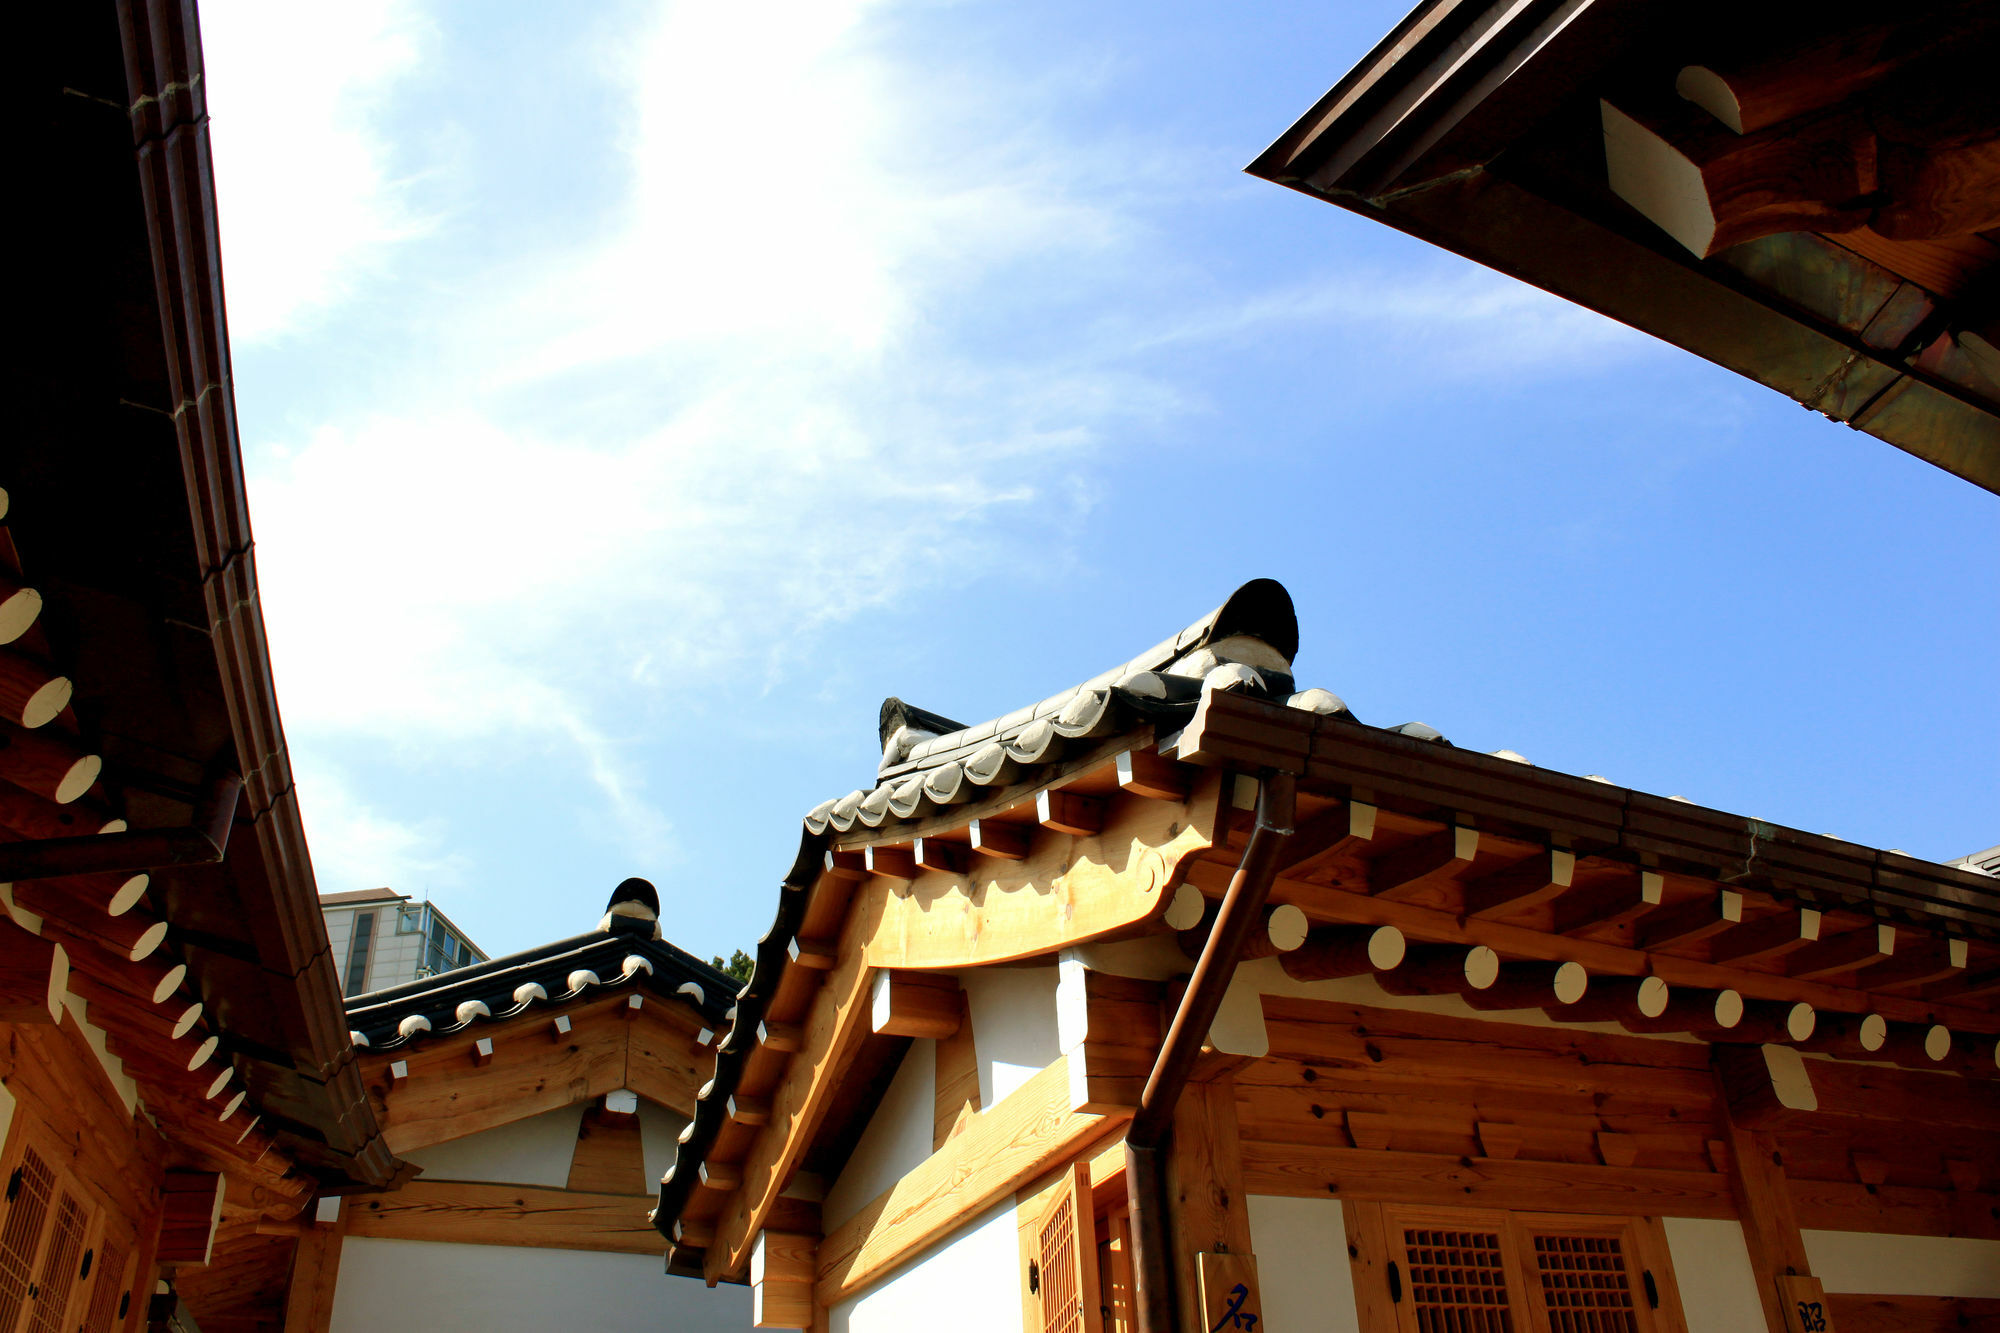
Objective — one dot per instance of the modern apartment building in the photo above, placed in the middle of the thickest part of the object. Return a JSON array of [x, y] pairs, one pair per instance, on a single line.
[[381, 938]]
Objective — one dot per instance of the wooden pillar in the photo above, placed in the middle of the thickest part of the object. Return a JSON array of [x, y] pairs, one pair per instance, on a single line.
[[1209, 1211], [1770, 1226], [315, 1273]]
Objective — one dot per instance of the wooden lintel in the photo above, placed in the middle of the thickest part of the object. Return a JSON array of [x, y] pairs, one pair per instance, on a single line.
[[472, 1213], [819, 955], [190, 1207], [34, 973], [1332, 832], [1541, 877], [750, 1110], [785, 1037]]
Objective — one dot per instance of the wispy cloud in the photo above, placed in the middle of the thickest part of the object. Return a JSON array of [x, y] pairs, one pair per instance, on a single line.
[[304, 174]]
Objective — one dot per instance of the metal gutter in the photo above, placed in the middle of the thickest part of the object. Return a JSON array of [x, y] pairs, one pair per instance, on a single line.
[[1152, 1126]]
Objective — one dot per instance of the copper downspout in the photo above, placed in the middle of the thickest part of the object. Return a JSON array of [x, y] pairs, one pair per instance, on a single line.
[[1152, 1125]]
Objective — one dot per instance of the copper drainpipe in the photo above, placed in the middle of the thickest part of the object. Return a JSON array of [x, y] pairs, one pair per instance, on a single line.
[[1152, 1125]]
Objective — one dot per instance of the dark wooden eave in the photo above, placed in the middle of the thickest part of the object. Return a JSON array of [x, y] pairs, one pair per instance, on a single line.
[[1475, 125], [132, 517]]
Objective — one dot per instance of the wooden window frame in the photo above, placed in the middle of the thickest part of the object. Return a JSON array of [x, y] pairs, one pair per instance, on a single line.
[[1381, 1264], [103, 1233]]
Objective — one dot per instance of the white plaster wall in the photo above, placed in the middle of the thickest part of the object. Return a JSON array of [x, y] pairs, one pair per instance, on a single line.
[[408, 1286], [6, 1113], [1013, 1013], [1859, 1261], [897, 1140], [1303, 1272], [1712, 1269], [534, 1151], [967, 1283], [659, 1134]]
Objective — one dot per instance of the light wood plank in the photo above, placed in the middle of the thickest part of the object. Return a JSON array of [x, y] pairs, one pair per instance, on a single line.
[[1003, 1149], [477, 1213]]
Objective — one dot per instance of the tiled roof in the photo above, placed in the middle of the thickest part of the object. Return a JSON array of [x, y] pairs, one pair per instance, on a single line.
[[551, 976]]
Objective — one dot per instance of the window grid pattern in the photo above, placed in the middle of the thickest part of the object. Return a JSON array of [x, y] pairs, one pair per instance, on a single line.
[[1584, 1284], [22, 1234], [110, 1286], [59, 1267], [1062, 1297], [1458, 1281]]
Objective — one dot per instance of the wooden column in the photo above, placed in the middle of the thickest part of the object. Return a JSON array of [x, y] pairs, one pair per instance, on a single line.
[[1210, 1214], [1770, 1227], [315, 1272]]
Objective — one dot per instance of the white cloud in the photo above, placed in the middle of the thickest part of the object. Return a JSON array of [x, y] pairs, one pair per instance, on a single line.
[[355, 846], [303, 176]]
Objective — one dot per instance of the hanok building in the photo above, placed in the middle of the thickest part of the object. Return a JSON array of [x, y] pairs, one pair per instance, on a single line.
[[1806, 194], [1185, 1000], [540, 1095], [176, 1082]]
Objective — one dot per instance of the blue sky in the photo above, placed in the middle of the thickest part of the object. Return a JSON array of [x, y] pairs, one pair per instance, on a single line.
[[634, 396]]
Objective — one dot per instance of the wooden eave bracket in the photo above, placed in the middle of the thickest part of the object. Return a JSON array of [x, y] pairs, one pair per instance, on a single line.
[[203, 842]]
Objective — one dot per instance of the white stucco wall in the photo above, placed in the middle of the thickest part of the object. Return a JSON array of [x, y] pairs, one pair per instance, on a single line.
[[1862, 1262], [659, 1133], [534, 1151], [1013, 1013], [1712, 1269], [390, 1286], [897, 1140], [967, 1283], [1303, 1271]]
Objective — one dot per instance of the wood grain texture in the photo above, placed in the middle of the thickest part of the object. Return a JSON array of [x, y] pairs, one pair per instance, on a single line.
[[1005, 1147], [476, 1213], [315, 1273], [1068, 889], [1853, 1313], [1208, 1203]]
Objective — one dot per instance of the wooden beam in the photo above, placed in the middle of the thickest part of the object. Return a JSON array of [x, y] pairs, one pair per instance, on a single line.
[[1764, 1206], [476, 1213], [1896, 1210], [782, 1266], [950, 857], [1003, 1149], [1549, 986], [916, 1004], [1335, 831], [1442, 969], [1006, 842], [1843, 953], [1684, 923], [49, 765], [1689, 1009], [1766, 1021], [1207, 1202], [787, 1038], [1109, 1029], [1147, 772], [190, 1207], [893, 862], [1780, 933], [1543, 876], [1432, 855], [1369, 1174], [1071, 812], [19, 608], [1832, 65], [34, 973], [1767, 1087], [819, 955], [1345, 951], [1850, 1036], [1922, 961], [1610, 904], [955, 1086], [31, 692], [1614, 999], [609, 1157], [314, 1276]]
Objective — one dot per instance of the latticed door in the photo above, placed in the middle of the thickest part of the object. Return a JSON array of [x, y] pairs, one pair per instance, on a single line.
[[46, 1225], [1585, 1283]]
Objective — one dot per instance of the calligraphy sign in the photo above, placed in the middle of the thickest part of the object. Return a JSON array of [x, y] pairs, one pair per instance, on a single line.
[[1805, 1305], [1229, 1299]]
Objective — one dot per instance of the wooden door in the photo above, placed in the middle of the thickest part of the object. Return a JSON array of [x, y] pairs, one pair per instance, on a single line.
[[48, 1226], [1059, 1244]]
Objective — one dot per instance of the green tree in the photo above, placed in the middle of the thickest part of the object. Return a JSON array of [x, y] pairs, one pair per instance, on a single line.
[[738, 966]]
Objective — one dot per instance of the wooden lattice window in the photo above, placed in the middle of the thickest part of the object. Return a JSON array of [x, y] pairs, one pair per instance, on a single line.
[[1059, 1256], [111, 1284], [1586, 1285], [1450, 1270], [49, 1227]]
